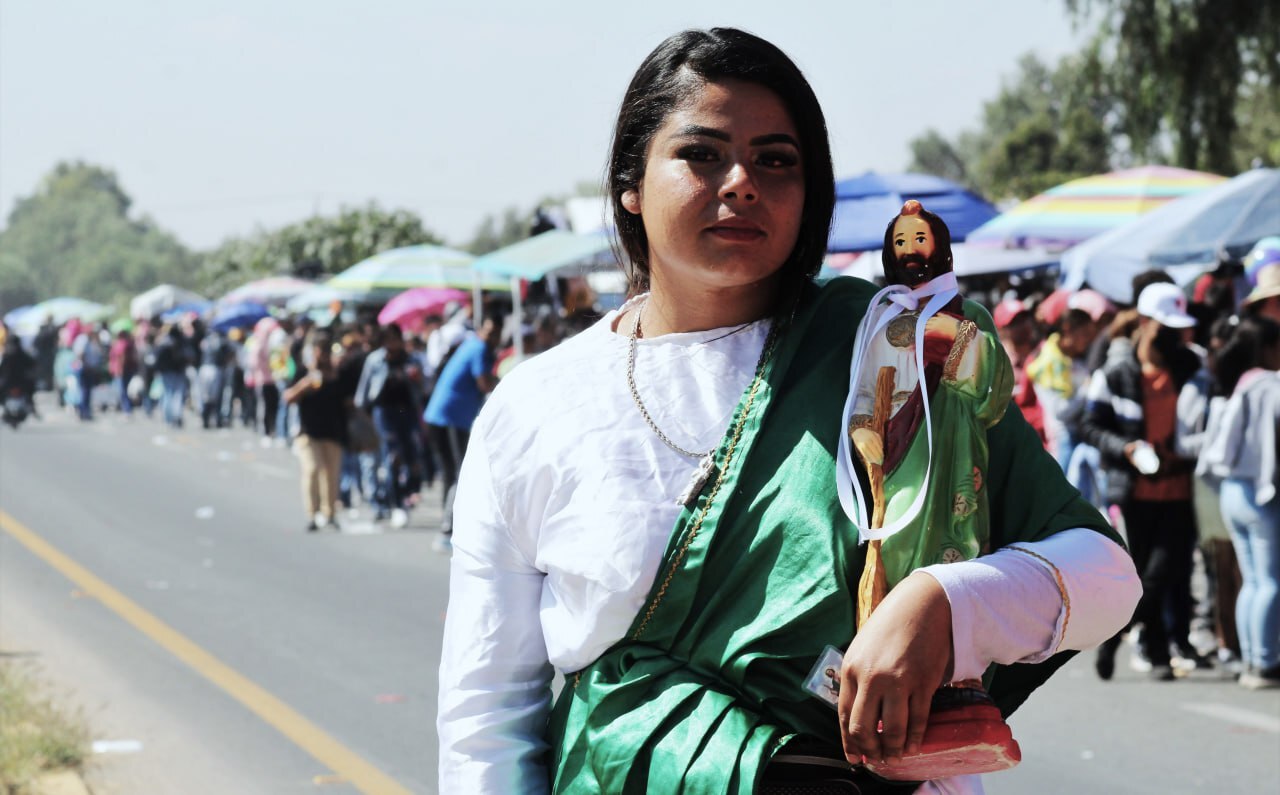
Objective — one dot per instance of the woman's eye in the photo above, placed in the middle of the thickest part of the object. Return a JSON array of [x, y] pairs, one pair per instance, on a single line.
[[778, 159], [696, 154]]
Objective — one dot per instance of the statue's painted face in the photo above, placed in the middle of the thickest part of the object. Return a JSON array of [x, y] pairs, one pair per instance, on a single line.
[[913, 250]]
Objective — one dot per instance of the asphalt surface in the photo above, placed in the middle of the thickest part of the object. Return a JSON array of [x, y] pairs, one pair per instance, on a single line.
[[204, 531]]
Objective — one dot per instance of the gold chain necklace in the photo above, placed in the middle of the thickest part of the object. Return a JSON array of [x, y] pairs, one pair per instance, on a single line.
[[706, 461]]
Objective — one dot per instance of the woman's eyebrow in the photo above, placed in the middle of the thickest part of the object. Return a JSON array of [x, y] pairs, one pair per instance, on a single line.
[[697, 130], [774, 138]]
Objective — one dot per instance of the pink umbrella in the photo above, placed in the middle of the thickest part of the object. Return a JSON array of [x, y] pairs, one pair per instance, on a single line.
[[408, 309]]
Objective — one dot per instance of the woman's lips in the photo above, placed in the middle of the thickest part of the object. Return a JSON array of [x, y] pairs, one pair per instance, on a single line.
[[737, 232]]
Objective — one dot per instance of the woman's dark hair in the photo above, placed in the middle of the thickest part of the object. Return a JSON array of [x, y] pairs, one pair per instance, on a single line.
[[1243, 350], [670, 75]]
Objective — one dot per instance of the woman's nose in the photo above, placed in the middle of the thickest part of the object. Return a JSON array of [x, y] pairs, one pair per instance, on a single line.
[[739, 185]]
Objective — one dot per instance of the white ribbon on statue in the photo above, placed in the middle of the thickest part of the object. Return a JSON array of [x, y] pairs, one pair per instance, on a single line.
[[884, 307]]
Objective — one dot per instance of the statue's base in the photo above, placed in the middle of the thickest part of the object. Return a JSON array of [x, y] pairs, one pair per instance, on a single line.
[[962, 739]]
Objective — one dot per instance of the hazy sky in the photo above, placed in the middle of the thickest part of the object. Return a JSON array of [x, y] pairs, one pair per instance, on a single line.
[[222, 116]]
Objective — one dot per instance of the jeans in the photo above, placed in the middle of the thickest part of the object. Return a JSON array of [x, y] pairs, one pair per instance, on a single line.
[[399, 458], [175, 396], [86, 381], [451, 446], [122, 389], [359, 476], [1255, 534]]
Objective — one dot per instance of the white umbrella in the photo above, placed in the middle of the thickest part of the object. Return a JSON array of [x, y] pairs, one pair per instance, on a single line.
[[161, 299]]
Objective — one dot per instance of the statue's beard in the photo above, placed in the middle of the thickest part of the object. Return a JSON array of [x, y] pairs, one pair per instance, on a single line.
[[926, 269]]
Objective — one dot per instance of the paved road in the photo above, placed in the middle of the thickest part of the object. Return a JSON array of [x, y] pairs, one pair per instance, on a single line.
[[341, 634], [203, 530]]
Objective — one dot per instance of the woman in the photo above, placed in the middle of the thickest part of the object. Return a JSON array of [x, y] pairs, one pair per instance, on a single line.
[[122, 364], [322, 423], [1241, 449], [711, 402]]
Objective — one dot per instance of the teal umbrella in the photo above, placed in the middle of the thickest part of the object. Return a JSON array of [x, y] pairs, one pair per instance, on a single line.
[[415, 266]]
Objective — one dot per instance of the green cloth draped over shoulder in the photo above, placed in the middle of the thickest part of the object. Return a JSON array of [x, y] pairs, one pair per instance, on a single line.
[[713, 686]]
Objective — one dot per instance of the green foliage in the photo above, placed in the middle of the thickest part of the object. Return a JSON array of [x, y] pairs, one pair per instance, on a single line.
[[36, 736], [74, 236], [1045, 126], [314, 247], [1259, 116], [494, 233], [1181, 69], [513, 224]]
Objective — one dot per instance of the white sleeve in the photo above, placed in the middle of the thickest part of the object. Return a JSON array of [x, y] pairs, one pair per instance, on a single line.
[[495, 679], [1030, 600]]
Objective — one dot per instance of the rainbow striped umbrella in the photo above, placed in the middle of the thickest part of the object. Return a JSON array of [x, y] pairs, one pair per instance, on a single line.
[[415, 266], [1077, 210]]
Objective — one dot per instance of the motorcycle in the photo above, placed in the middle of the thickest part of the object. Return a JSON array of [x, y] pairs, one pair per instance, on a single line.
[[17, 406]]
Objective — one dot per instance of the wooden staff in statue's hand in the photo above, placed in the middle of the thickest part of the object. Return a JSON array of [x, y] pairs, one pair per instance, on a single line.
[[925, 385]]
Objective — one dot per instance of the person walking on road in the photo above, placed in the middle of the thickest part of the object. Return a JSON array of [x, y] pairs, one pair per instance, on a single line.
[[1131, 417], [171, 367], [459, 391], [1241, 449], [390, 390], [322, 419]]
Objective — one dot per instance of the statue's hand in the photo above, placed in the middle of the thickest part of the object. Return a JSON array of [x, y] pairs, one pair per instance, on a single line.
[[941, 324], [869, 445]]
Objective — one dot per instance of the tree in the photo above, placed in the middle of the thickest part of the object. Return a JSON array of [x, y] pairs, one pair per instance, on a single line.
[[1045, 126], [315, 246], [1181, 67], [73, 236]]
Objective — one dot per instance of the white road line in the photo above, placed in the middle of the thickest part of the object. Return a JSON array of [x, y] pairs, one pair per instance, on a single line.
[[273, 471], [1237, 715]]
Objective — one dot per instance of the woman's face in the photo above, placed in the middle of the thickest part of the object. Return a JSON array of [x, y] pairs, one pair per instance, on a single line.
[[723, 189]]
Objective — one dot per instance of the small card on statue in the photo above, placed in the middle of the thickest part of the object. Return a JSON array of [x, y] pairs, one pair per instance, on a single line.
[[824, 679]]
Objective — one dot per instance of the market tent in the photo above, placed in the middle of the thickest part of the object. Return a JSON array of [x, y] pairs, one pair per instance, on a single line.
[[160, 299], [1075, 211], [322, 296], [1185, 237], [415, 266], [542, 255], [271, 291], [866, 204], [536, 257]]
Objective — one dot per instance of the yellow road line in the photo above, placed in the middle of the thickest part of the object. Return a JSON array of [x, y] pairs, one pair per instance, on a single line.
[[275, 712]]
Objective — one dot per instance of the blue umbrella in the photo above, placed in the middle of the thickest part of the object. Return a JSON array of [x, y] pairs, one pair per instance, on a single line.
[[242, 314], [182, 310], [866, 204], [1185, 237]]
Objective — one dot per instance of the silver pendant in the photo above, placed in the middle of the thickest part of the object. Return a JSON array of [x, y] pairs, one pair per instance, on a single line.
[[706, 468]]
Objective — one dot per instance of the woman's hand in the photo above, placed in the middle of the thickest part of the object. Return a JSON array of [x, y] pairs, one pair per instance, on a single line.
[[892, 668]]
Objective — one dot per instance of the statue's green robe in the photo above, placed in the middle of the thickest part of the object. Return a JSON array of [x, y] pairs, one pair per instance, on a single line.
[[700, 700]]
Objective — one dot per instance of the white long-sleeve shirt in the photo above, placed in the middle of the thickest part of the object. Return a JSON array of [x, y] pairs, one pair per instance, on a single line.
[[564, 507]]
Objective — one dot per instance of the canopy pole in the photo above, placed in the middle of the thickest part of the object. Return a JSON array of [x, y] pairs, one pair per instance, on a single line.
[[517, 311], [477, 305]]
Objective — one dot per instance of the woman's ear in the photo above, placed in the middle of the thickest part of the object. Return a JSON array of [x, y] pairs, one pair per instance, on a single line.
[[631, 200]]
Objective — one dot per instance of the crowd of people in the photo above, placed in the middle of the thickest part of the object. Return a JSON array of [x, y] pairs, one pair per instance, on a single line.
[[1164, 415], [375, 414]]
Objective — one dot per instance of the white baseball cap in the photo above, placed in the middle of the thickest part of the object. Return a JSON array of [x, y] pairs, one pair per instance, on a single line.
[[1165, 304]]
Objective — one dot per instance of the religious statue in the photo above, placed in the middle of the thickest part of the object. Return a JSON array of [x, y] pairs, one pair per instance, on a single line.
[[926, 382]]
